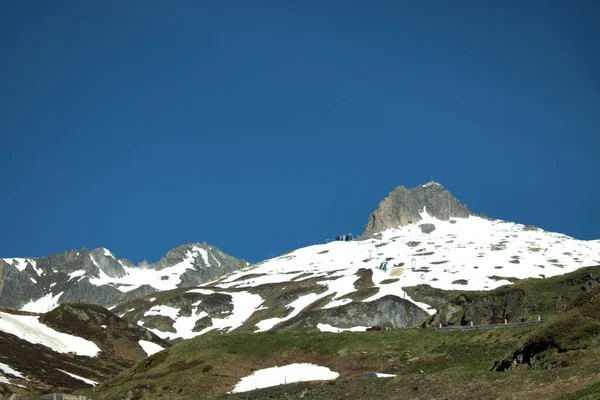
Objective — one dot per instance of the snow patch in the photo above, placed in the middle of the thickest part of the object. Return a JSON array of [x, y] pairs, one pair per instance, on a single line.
[[76, 274], [283, 375], [43, 304], [150, 348], [204, 254], [8, 370], [88, 381], [30, 329], [329, 328]]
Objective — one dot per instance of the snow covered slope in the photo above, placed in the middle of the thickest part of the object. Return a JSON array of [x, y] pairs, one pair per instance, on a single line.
[[28, 328], [72, 346], [464, 253]]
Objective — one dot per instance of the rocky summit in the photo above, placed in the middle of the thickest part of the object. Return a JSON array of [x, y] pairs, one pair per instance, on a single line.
[[404, 206]]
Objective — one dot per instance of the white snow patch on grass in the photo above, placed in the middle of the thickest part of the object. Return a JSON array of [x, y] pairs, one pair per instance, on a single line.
[[329, 328], [30, 329], [283, 375], [150, 348], [81, 378]]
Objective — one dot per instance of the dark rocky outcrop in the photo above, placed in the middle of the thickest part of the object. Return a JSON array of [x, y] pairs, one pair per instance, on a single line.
[[388, 311], [508, 302], [403, 206]]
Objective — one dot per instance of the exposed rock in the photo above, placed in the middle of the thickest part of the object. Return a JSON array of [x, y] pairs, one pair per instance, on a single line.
[[388, 311], [202, 323], [427, 228], [510, 303], [160, 322], [403, 206]]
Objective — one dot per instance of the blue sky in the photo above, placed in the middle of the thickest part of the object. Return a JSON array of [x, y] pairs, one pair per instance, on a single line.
[[260, 127]]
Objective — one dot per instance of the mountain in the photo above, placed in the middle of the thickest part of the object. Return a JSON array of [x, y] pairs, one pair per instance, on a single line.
[[343, 286], [556, 359], [424, 260], [70, 347], [404, 206], [99, 277]]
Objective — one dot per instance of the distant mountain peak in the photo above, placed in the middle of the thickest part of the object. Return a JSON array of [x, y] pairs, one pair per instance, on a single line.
[[403, 206]]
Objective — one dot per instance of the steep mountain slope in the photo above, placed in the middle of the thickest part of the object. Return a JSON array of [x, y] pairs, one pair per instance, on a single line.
[[331, 286], [99, 277], [403, 206], [71, 347]]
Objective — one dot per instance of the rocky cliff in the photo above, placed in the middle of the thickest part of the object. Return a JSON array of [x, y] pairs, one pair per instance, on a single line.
[[403, 206]]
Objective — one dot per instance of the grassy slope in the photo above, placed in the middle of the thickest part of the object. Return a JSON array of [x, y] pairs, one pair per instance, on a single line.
[[542, 297], [563, 355]]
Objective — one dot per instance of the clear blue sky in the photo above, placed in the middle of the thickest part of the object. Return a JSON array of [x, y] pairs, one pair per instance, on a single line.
[[260, 127]]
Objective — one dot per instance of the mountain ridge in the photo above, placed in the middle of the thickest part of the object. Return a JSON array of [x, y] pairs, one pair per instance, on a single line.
[[98, 276]]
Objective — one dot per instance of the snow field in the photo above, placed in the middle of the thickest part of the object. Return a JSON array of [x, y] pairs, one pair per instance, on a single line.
[[30, 329]]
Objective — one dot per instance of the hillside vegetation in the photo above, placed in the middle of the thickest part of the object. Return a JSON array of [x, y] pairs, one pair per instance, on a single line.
[[556, 359]]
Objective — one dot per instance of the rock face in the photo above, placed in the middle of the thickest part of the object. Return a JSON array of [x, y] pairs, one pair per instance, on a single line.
[[388, 311], [74, 276], [508, 302], [402, 207]]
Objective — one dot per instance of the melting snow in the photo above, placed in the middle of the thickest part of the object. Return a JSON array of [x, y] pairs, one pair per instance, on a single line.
[[30, 329], [43, 304], [244, 305], [298, 305], [88, 381], [136, 276], [329, 328], [150, 348], [8, 370], [458, 255], [204, 255], [282, 375]]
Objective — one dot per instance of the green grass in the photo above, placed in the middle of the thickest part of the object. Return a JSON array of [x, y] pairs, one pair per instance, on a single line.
[[209, 366], [560, 357]]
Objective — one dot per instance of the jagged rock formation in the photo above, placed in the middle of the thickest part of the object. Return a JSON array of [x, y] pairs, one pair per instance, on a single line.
[[99, 277], [403, 206]]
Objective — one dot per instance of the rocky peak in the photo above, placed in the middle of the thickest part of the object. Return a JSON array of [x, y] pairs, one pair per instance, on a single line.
[[403, 206]]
